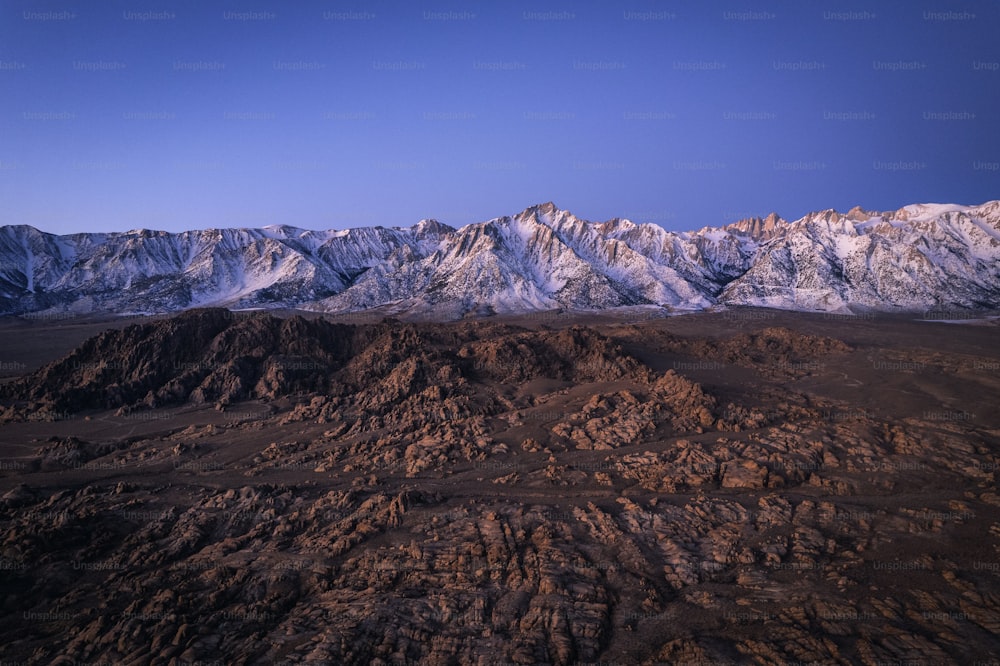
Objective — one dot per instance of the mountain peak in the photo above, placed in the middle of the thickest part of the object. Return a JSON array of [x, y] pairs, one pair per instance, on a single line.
[[547, 208], [758, 227], [926, 211], [616, 224], [430, 229], [859, 214]]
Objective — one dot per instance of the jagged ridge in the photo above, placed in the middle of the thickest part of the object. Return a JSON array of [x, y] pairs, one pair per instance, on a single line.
[[915, 258]]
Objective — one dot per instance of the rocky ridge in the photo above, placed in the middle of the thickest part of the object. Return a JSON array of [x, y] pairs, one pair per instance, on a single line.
[[920, 257]]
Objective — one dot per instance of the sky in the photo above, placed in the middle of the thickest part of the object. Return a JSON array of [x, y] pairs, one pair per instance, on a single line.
[[178, 115]]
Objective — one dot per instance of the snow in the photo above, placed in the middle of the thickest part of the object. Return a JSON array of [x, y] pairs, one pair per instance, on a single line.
[[930, 211], [986, 228], [867, 225], [519, 229], [273, 231], [67, 249], [844, 246], [29, 264], [530, 261], [714, 234]]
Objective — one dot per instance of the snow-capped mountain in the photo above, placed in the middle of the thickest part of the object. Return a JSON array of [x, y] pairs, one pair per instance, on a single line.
[[156, 271], [918, 257], [543, 258]]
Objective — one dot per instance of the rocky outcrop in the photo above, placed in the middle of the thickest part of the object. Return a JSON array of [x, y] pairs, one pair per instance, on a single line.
[[416, 498], [213, 356]]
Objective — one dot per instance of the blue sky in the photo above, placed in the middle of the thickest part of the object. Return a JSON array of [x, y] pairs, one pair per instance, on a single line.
[[177, 115]]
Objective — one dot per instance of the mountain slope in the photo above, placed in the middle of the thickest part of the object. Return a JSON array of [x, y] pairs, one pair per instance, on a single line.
[[154, 271], [541, 258], [914, 258]]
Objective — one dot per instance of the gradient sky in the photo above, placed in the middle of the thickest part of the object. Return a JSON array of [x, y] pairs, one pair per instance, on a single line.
[[181, 115]]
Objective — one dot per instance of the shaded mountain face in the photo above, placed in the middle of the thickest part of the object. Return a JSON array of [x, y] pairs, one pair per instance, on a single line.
[[214, 356], [918, 257]]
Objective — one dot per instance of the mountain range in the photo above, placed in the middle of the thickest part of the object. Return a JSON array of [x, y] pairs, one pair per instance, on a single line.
[[916, 258]]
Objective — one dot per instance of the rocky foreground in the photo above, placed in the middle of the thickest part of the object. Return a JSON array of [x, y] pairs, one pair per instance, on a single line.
[[256, 490]]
